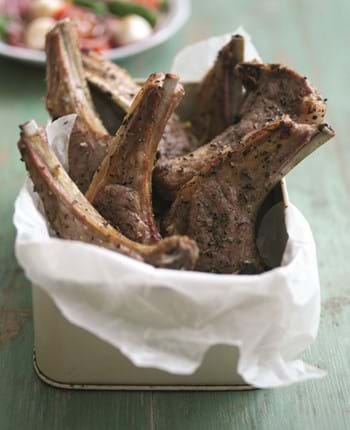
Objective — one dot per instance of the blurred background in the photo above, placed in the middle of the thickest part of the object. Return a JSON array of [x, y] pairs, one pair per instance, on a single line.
[[311, 36]]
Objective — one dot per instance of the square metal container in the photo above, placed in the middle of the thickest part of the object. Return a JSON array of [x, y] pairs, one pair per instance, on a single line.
[[67, 356]]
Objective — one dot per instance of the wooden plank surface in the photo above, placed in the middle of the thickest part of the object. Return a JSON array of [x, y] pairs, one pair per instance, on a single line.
[[311, 36]]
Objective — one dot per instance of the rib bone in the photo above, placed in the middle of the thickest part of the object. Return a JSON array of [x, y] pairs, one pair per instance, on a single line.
[[73, 217], [67, 92], [121, 188], [219, 209]]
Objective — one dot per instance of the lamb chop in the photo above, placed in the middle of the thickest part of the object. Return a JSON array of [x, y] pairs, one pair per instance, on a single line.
[[67, 92], [219, 209], [72, 216], [119, 90], [220, 93], [272, 91], [121, 189]]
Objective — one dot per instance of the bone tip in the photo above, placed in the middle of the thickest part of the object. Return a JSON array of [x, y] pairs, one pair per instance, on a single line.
[[57, 31], [64, 22], [327, 130], [61, 26], [172, 76], [237, 40], [160, 77], [155, 79], [189, 251], [171, 83], [29, 128], [168, 81]]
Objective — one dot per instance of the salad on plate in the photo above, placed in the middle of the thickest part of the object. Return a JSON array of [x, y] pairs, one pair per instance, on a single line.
[[102, 24]]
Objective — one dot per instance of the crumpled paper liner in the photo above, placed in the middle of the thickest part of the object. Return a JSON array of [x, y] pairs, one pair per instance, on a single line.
[[168, 319]]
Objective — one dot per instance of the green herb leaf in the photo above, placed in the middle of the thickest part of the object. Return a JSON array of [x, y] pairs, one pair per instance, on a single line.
[[98, 7], [4, 23]]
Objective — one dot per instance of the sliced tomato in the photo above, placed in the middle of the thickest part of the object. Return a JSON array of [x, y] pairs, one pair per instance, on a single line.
[[151, 4], [63, 12]]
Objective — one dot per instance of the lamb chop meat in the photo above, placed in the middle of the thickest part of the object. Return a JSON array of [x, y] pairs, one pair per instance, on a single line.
[[121, 188], [220, 93], [120, 89], [111, 87], [68, 92], [272, 91], [275, 90], [72, 216], [110, 79], [219, 209]]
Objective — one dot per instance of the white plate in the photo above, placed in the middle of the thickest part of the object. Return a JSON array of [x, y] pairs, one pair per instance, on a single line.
[[170, 23]]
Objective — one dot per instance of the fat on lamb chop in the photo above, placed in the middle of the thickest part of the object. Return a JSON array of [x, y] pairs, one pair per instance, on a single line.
[[272, 91], [68, 92], [73, 217], [121, 189], [219, 209]]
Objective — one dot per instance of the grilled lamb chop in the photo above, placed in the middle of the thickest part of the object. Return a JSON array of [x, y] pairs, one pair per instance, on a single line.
[[73, 217], [273, 91], [219, 209], [121, 189], [220, 93], [115, 83], [67, 92]]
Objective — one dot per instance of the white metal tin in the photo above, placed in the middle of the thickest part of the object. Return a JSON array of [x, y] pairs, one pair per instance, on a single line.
[[68, 356]]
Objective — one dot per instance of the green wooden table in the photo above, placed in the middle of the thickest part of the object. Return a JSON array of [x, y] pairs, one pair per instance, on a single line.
[[312, 36]]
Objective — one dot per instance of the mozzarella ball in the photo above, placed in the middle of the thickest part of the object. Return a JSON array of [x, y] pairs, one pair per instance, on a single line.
[[131, 29], [39, 8], [36, 31]]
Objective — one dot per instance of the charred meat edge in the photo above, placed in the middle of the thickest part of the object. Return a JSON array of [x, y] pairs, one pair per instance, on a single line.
[[73, 217], [131, 156], [219, 209]]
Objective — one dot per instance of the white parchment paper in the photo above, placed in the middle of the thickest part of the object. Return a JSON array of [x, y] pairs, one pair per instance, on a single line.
[[168, 319]]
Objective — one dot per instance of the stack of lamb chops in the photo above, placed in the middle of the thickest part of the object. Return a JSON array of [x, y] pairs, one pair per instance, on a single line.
[[209, 175]]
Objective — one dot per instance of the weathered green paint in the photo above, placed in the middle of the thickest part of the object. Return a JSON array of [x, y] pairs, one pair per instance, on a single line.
[[313, 37]]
